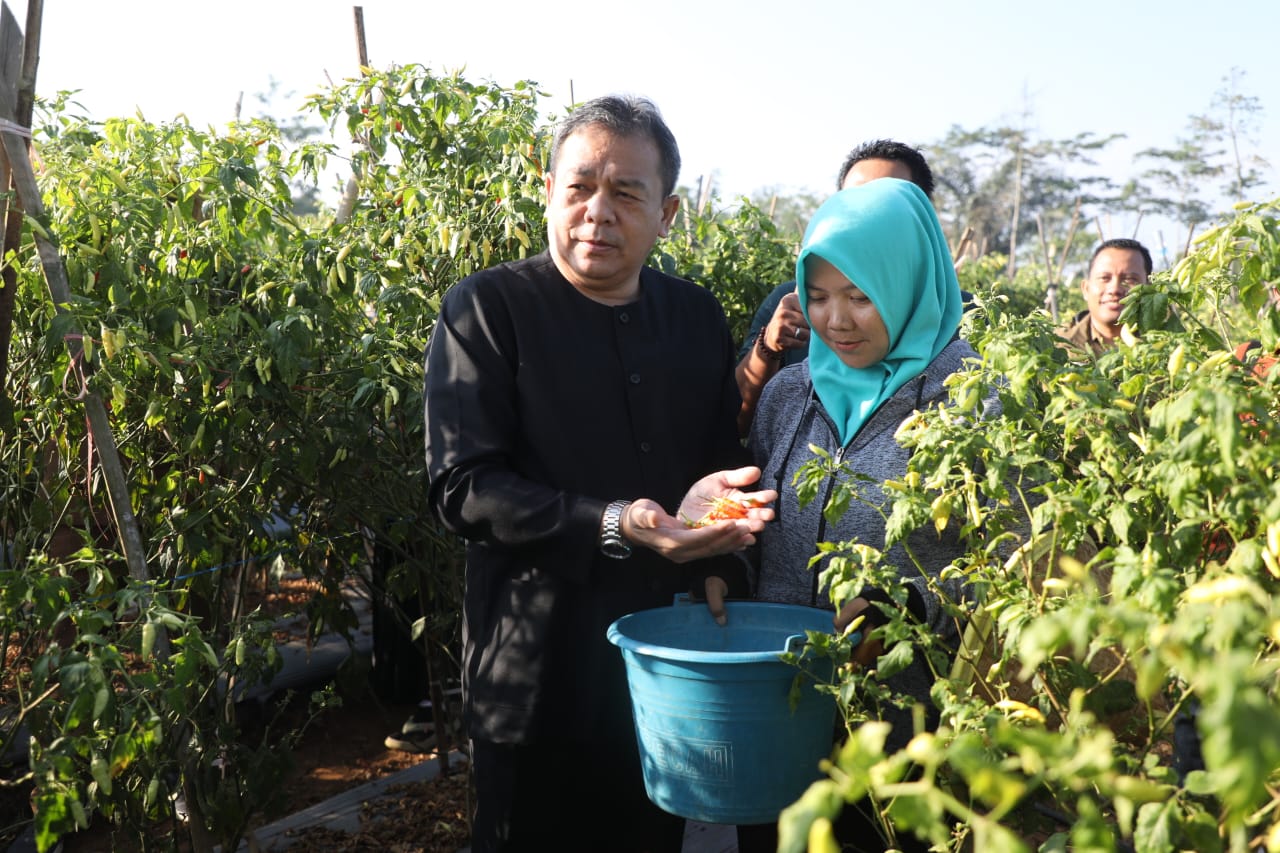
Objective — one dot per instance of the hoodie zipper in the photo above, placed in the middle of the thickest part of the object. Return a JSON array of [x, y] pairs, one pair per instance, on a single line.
[[822, 516]]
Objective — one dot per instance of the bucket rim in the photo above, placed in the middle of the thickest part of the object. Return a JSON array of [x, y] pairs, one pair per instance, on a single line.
[[617, 635]]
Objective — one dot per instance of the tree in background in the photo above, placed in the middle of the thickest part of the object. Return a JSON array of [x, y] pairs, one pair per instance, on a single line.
[[1009, 192], [1215, 161], [1004, 190]]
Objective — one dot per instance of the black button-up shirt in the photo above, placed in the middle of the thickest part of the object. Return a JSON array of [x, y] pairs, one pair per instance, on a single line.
[[543, 405]]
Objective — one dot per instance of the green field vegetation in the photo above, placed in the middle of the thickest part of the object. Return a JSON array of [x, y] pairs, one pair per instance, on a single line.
[[258, 358]]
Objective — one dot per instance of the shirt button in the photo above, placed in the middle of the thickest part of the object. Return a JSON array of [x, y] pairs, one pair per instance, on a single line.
[[624, 317], [635, 379], [645, 447]]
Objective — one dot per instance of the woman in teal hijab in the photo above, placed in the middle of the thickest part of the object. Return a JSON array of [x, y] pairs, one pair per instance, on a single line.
[[883, 242], [879, 290]]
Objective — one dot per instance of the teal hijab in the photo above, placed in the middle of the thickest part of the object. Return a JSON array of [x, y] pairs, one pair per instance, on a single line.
[[885, 238]]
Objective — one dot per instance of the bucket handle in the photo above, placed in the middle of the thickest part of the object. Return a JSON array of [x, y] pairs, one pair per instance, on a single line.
[[795, 643]]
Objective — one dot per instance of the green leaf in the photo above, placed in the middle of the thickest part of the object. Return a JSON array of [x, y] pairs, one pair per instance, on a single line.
[[1157, 827], [898, 657], [53, 818], [822, 799]]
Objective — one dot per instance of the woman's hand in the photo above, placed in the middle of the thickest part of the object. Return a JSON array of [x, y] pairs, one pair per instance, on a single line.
[[788, 328], [645, 522], [865, 652]]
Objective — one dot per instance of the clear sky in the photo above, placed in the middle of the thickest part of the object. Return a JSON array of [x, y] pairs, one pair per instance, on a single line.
[[760, 94]]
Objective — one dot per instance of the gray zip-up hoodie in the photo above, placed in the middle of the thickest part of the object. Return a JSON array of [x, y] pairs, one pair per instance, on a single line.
[[790, 417]]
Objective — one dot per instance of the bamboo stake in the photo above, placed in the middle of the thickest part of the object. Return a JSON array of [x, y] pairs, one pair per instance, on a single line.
[[1186, 250], [56, 276], [351, 192], [13, 218], [362, 48], [1051, 287], [1071, 235], [1017, 203], [1044, 247], [966, 240]]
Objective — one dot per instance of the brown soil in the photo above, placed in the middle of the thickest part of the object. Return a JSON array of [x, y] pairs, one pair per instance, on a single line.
[[342, 749]]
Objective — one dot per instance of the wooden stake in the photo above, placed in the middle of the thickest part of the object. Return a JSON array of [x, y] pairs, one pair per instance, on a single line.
[[56, 276], [362, 49], [966, 241], [1051, 288], [351, 192], [1071, 235], [14, 48], [1013, 226]]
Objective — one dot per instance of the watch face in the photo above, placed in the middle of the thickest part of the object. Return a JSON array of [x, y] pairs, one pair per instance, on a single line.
[[616, 549]]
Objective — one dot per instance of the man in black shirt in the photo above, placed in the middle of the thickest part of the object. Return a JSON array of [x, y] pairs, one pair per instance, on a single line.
[[558, 390]]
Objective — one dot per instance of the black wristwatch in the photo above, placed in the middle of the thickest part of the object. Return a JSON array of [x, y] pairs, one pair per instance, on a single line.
[[612, 544]]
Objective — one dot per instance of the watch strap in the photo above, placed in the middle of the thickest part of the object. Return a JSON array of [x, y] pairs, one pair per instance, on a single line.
[[612, 542]]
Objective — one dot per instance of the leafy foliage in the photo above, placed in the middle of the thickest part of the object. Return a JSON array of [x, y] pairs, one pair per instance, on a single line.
[[264, 377], [1123, 526]]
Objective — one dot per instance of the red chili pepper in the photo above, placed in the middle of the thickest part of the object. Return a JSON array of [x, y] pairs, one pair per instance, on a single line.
[[723, 509]]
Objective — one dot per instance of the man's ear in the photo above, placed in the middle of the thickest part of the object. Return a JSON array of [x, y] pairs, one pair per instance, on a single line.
[[670, 205], [548, 183]]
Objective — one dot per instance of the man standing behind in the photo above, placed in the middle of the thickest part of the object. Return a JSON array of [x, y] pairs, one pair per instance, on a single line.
[[1116, 266], [558, 390], [779, 334]]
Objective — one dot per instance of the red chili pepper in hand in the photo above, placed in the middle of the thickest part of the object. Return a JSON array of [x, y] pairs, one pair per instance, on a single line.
[[723, 509]]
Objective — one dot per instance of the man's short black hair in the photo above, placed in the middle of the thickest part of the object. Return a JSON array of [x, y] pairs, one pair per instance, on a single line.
[[1126, 244], [888, 149], [625, 115]]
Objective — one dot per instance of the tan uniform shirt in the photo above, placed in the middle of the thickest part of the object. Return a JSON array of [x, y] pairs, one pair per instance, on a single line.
[[1079, 333]]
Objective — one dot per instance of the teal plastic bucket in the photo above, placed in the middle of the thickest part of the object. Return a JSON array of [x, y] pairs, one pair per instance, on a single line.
[[719, 741]]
